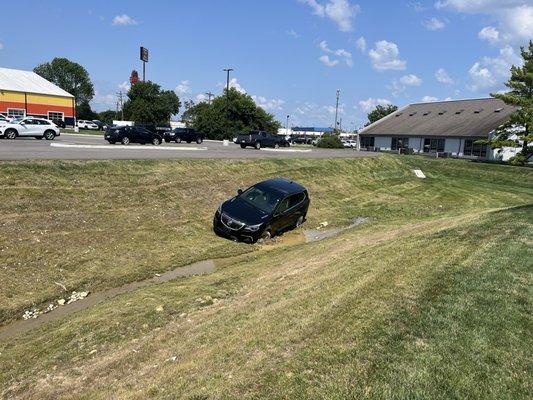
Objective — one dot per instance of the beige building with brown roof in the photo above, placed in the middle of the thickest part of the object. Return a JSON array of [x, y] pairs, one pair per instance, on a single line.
[[445, 127]]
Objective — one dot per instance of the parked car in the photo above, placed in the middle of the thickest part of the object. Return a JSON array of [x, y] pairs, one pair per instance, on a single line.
[[82, 124], [131, 134], [188, 135], [301, 140], [101, 125], [29, 127], [258, 139], [59, 123], [262, 211], [350, 144]]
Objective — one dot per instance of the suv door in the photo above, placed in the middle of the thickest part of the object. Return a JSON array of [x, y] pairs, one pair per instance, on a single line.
[[29, 127]]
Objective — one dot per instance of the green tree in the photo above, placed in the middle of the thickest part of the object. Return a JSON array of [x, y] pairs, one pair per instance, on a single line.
[[517, 131], [69, 76], [84, 111], [227, 116], [148, 103], [330, 141], [108, 116], [379, 112]]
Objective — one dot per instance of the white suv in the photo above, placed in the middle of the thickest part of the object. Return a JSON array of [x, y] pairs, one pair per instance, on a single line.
[[82, 124], [30, 127]]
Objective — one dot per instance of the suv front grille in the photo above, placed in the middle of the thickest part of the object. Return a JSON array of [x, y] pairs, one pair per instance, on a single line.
[[231, 223]]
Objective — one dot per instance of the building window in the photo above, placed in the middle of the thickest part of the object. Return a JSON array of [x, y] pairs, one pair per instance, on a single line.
[[399, 143], [367, 141], [52, 115], [433, 145], [474, 149], [16, 112]]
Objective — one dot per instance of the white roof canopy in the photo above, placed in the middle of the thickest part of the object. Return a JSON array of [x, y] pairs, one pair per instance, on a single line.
[[28, 82]]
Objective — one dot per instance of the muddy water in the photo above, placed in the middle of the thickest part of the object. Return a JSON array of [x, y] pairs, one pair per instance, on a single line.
[[198, 268], [19, 327]]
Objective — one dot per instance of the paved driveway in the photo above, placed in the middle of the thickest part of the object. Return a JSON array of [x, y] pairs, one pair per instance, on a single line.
[[91, 147]]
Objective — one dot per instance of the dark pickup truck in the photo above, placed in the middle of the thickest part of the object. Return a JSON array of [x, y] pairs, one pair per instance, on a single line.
[[258, 139], [188, 135]]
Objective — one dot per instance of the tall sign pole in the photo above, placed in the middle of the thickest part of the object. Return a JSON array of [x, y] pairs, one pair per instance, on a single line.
[[144, 59], [337, 108]]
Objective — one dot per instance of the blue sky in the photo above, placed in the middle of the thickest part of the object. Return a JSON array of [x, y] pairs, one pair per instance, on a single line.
[[290, 55]]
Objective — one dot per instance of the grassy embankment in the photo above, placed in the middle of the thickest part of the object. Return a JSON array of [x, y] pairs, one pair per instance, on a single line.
[[430, 299]]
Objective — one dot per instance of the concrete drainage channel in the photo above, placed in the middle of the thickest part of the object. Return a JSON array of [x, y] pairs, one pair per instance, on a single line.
[[34, 319]]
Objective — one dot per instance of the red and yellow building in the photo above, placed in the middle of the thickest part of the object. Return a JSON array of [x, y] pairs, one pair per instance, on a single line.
[[24, 93]]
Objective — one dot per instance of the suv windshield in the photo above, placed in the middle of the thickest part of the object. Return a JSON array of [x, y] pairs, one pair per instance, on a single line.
[[262, 198]]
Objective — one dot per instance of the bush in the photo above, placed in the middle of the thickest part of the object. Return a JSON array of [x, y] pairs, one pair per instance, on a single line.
[[519, 159], [330, 141]]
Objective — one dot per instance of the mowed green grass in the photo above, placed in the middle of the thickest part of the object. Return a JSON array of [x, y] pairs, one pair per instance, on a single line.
[[431, 299]]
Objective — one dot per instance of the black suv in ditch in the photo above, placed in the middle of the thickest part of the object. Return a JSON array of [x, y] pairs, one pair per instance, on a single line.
[[131, 134], [262, 211], [188, 135]]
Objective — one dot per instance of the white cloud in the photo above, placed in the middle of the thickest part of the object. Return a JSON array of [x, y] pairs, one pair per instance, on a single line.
[[489, 33], [102, 101], [518, 23], [124, 86], [342, 12], [183, 89], [233, 83], [433, 24], [268, 104], [398, 86], [385, 55], [201, 98], [410, 80], [346, 55], [124, 20], [1, 46], [491, 72], [429, 99], [371, 103], [327, 61], [361, 44], [293, 33], [442, 76], [514, 17]]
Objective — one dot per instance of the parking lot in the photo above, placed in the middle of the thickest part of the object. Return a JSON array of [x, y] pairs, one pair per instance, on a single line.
[[94, 147]]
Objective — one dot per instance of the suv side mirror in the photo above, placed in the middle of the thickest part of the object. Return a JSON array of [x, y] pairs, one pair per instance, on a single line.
[[239, 191], [22, 123]]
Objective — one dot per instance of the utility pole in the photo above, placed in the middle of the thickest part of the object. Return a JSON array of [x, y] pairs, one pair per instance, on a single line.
[[121, 102], [209, 95], [337, 108], [227, 70], [287, 126]]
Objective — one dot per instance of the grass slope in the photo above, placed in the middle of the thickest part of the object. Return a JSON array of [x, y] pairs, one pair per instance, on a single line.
[[430, 300]]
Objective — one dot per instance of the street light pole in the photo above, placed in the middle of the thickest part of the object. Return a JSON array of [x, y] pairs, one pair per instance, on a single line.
[[227, 70], [337, 107]]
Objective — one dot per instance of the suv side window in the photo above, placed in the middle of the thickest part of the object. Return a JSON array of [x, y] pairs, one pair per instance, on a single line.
[[296, 199], [284, 205]]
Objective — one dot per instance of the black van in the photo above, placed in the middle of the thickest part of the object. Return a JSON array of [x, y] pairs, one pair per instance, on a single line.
[[262, 211]]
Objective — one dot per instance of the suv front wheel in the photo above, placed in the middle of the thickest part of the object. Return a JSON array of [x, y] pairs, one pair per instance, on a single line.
[[10, 134], [257, 145], [125, 140]]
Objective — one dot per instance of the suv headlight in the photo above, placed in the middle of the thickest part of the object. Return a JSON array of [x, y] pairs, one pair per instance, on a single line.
[[252, 228]]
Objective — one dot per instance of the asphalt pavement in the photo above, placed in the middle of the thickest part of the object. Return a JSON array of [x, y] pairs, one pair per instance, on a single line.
[[94, 147]]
